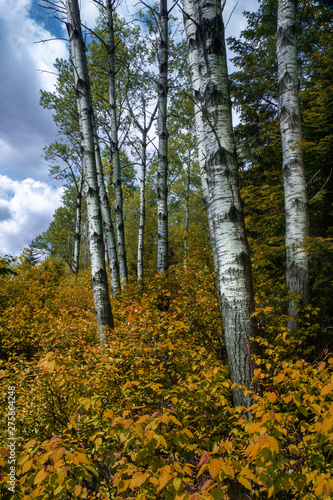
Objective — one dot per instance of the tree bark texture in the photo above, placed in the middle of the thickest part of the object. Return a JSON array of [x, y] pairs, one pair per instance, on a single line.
[[142, 208], [218, 166], [85, 110], [110, 240], [187, 211], [162, 173], [115, 147], [296, 202], [77, 235]]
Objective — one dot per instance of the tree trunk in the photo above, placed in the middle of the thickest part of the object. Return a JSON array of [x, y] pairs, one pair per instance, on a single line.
[[115, 149], [218, 166], [187, 212], [296, 202], [162, 173], [111, 246], [84, 103], [77, 235], [142, 203]]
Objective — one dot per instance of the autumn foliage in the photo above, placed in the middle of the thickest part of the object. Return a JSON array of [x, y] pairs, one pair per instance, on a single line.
[[150, 414]]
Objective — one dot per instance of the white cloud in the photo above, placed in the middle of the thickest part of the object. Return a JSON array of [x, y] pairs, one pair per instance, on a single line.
[[26, 210], [25, 127]]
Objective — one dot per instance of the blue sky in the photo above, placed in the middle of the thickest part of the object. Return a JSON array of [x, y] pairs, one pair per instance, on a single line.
[[28, 197]]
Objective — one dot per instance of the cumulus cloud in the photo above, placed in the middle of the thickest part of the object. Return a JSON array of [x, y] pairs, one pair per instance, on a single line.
[[26, 210], [25, 128]]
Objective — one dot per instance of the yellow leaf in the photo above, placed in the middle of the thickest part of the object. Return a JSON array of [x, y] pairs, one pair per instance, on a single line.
[[251, 428], [247, 473], [165, 419], [61, 476], [137, 480], [41, 475], [271, 396], [177, 482], [272, 443], [164, 481], [57, 454], [279, 378], [175, 420], [187, 470], [77, 490], [270, 491], [214, 467], [149, 435], [228, 471], [83, 458], [139, 430], [245, 482], [30, 443], [58, 464], [326, 389], [27, 466], [202, 469]]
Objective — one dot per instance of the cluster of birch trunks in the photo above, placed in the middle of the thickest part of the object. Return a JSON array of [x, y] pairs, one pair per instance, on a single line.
[[207, 66]]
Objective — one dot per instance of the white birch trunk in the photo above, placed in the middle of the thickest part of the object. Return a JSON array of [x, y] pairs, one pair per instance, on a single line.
[[110, 240], [115, 148], [218, 166], [187, 212], [142, 205], [162, 173], [77, 235], [296, 202], [85, 111]]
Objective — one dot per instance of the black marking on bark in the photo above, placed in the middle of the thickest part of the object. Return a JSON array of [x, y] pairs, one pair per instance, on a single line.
[[286, 36]]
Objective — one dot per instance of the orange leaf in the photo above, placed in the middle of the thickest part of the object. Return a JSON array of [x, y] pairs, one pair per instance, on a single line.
[[214, 467], [138, 479], [41, 475]]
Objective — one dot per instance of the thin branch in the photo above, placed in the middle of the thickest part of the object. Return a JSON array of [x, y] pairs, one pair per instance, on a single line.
[[328, 178]]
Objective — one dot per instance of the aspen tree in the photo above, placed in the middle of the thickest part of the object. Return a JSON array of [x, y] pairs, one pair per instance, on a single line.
[[218, 165], [162, 173], [296, 202], [85, 111], [115, 146]]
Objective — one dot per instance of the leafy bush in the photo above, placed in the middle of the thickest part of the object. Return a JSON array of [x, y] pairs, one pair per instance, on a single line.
[[150, 415]]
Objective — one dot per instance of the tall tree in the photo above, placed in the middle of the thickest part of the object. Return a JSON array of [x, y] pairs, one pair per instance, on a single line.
[[110, 240], [217, 155], [162, 174], [296, 202], [85, 110], [114, 144]]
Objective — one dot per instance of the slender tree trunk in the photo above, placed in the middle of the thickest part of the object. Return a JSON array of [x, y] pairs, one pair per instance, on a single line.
[[95, 227], [142, 203], [218, 165], [115, 148], [162, 173], [187, 212], [111, 246], [77, 235], [296, 202]]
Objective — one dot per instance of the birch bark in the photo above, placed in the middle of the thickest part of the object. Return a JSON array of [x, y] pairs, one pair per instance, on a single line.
[[77, 235], [142, 208], [296, 202], [162, 173], [218, 166], [85, 111], [111, 246], [115, 147]]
